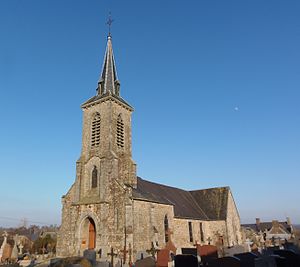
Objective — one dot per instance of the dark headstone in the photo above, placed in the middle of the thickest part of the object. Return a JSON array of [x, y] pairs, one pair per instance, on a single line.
[[189, 251], [259, 262], [292, 259], [292, 246], [265, 261], [186, 261], [226, 262], [247, 259], [163, 257], [146, 262], [90, 255], [280, 261]]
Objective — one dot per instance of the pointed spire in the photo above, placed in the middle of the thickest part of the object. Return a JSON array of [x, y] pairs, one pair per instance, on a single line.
[[108, 81]]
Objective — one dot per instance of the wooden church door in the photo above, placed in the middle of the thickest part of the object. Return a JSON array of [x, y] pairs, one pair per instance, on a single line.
[[92, 235]]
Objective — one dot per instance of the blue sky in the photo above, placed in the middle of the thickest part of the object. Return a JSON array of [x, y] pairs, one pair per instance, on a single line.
[[214, 84]]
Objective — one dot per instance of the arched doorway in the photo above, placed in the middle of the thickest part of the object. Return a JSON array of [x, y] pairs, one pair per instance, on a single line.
[[92, 234], [88, 234]]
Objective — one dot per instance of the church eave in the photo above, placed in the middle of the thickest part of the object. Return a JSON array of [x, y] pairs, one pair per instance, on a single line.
[[194, 218], [96, 100]]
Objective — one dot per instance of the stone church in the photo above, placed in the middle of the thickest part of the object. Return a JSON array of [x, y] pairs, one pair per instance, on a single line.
[[109, 206]]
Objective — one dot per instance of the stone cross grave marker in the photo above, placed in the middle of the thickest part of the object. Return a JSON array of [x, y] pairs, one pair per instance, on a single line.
[[248, 243], [170, 245], [21, 248], [152, 250], [112, 255], [124, 251], [130, 254]]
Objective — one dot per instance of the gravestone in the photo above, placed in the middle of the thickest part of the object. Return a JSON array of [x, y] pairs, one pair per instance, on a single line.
[[259, 262], [163, 258], [247, 259], [5, 235], [186, 261], [70, 261], [7, 250], [118, 264], [90, 255], [265, 261], [272, 260], [292, 246], [292, 259], [141, 255], [189, 251], [170, 245], [234, 250], [146, 262], [226, 262], [102, 264], [280, 261], [15, 252], [207, 253]]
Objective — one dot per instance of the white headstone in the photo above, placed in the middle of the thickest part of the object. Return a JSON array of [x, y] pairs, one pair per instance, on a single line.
[[5, 235]]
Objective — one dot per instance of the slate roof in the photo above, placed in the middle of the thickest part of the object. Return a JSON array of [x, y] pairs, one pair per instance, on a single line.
[[108, 83], [266, 226], [207, 204]]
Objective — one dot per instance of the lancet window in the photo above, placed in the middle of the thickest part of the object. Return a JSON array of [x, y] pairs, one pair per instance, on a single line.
[[191, 232], [94, 177], [95, 137], [166, 226], [120, 132]]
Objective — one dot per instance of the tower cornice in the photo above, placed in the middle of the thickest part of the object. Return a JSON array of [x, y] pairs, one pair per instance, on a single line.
[[103, 98]]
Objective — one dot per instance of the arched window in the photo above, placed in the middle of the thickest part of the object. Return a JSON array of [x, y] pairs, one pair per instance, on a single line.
[[94, 177], [166, 224], [120, 132], [95, 139]]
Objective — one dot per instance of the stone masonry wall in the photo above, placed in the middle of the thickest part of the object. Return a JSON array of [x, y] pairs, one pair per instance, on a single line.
[[233, 223]]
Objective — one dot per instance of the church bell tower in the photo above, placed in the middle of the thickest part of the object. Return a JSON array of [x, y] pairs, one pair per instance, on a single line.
[[106, 138], [97, 210]]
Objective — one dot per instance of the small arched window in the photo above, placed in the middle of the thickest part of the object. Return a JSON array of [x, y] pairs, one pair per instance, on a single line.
[[166, 226], [95, 139], [120, 132], [94, 177]]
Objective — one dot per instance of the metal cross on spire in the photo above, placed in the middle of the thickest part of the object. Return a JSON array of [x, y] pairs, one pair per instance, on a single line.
[[109, 23]]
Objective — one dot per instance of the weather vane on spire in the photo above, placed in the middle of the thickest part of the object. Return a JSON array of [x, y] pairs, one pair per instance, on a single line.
[[109, 22]]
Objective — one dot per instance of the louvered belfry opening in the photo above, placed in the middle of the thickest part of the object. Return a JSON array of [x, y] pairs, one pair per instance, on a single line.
[[95, 140], [120, 132]]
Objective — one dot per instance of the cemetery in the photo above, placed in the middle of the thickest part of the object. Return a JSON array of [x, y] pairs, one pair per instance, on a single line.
[[286, 255]]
